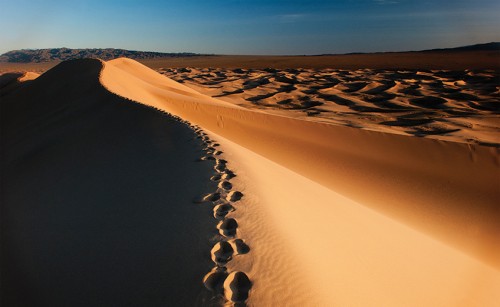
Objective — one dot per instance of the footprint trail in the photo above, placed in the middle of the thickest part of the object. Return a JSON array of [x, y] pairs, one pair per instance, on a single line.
[[233, 286]]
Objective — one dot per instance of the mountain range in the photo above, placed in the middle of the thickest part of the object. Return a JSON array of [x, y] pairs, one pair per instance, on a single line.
[[62, 54]]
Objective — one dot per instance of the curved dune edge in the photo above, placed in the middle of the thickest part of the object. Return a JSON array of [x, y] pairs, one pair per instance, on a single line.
[[11, 81], [447, 190], [28, 76]]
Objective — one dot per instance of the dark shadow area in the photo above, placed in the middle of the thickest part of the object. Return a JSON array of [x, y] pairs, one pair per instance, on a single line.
[[96, 199]]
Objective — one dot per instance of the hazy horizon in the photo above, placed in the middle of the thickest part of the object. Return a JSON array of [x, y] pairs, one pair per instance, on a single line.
[[206, 53], [257, 28]]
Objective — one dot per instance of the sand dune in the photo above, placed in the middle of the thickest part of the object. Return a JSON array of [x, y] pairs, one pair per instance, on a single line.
[[305, 212], [447, 190]]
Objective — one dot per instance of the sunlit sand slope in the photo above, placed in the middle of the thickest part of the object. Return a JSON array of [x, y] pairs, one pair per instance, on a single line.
[[365, 217]]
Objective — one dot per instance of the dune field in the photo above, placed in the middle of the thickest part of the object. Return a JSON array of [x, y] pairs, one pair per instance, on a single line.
[[124, 185], [458, 106]]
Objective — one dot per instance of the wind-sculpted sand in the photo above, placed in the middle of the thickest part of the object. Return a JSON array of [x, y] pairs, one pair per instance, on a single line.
[[461, 106], [292, 206], [418, 210]]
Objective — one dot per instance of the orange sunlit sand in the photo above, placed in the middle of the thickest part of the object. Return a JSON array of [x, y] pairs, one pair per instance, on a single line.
[[319, 213]]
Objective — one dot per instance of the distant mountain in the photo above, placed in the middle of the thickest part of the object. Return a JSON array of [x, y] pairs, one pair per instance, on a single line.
[[493, 46], [62, 54]]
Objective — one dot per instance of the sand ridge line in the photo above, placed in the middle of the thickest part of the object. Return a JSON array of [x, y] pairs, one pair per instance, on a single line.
[[161, 150], [407, 178], [234, 286]]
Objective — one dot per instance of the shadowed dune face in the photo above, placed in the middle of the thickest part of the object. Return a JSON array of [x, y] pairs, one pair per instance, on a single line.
[[96, 198], [462, 106]]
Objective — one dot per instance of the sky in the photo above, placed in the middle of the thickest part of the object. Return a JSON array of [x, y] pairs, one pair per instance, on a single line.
[[248, 26]]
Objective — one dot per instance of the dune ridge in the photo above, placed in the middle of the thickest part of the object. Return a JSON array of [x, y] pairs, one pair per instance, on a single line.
[[446, 190], [338, 156]]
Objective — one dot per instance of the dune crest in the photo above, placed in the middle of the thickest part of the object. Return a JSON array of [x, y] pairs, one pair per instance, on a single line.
[[11, 81], [438, 198], [137, 82]]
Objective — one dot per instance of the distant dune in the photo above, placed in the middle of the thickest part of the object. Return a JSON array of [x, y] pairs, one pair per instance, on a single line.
[[125, 187]]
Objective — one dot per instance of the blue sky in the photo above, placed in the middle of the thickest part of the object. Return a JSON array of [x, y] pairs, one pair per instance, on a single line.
[[249, 26]]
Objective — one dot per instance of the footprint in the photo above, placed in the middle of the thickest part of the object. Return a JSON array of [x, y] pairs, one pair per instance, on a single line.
[[220, 168], [236, 286], [221, 161], [239, 246], [214, 280], [225, 185], [207, 158], [234, 196], [221, 253], [227, 227], [211, 197], [228, 175], [217, 152], [216, 177], [220, 211]]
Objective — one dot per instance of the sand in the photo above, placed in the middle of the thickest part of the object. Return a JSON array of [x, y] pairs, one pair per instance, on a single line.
[[306, 211], [428, 185], [459, 105]]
